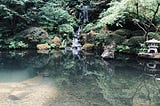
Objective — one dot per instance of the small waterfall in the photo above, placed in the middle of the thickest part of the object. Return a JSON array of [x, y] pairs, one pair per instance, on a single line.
[[83, 17], [85, 14]]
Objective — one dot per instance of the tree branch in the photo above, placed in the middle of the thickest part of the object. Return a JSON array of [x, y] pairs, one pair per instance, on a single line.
[[155, 13]]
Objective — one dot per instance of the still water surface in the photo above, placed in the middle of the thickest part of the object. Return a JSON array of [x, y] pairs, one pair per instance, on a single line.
[[86, 80]]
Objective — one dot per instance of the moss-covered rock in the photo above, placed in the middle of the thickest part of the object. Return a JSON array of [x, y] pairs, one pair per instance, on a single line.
[[32, 36], [89, 37], [136, 40], [88, 47]]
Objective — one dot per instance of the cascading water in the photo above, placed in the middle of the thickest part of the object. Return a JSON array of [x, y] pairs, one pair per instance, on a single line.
[[85, 13], [83, 17]]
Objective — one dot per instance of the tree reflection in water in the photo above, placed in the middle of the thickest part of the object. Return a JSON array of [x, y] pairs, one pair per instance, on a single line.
[[120, 82], [135, 85], [91, 81]]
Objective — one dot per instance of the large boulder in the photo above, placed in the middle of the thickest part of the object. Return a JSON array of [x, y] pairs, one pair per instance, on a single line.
[[34, 36], [109, 51], [57, 41], [43, 47]]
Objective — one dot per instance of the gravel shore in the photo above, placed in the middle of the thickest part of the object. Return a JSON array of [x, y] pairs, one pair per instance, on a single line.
[[39, 91]]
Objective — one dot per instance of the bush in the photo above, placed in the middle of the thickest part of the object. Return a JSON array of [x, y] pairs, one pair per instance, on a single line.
[[137, 33], [93, 26], [155, 35], [122, 48], [52, 15], [16, 44], [136, 41], [66, 29], [100, 39], [118, 39], [124, 32]]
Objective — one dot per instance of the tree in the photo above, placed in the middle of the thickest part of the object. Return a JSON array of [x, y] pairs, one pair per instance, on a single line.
[[17, 14], [145, 12], [52, 15]]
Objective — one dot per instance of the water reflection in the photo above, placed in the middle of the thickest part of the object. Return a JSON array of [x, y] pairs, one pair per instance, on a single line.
[[17, 66], [89, 80]]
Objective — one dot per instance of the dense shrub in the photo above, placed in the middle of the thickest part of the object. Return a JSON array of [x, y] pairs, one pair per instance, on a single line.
[[155, 35], [124, 32], [136, 40], [118, 39], [66, 29]]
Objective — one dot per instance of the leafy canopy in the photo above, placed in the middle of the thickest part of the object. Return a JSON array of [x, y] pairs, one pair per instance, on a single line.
[[120, 9]]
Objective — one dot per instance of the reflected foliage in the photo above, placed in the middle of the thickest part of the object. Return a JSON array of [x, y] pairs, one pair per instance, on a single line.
[[125, 81]]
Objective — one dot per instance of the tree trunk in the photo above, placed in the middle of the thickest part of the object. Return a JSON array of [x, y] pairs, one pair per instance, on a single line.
[[155, 13]]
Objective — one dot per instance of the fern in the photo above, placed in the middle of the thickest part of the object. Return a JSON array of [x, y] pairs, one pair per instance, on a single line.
[[120, 9]]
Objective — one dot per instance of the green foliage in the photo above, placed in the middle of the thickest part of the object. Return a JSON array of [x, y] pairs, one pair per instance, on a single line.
[[63, 44], [122, 48], [114, 37], [143, 47], [115, 13], [88, 27], [100, 39], [52, 14], [17, 14], [155, 35], [15, 44], [93, 26], [124, 32], [66, 28], [119, 10], [136, 41]]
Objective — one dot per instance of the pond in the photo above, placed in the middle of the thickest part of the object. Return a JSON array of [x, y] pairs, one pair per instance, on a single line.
[[59, 78]]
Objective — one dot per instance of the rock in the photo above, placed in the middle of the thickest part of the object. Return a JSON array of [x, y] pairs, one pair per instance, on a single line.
[[109, 51], [56, 41], [18, 95], [43, 51], [89, 37], [13, 97], [43, 47], [88, 47], [33, 36]]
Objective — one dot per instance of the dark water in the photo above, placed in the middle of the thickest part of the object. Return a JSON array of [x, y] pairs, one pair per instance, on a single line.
[[87, 80]]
